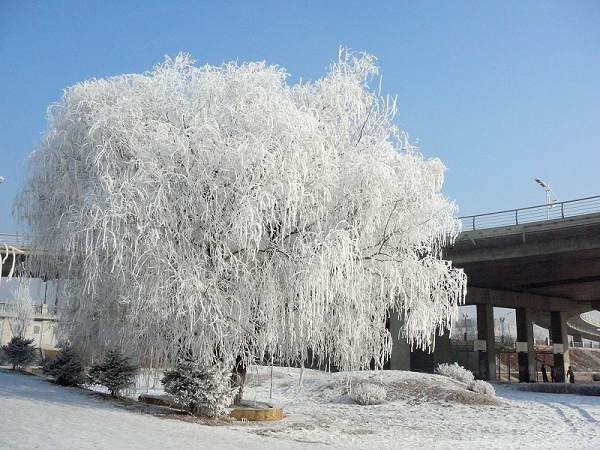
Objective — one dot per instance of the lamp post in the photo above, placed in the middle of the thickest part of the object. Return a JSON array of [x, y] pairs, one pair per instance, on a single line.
[[550, 196], [465, 316], [502, 319]]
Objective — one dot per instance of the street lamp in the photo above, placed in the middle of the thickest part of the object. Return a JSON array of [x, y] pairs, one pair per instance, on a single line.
[[550, 196], [502, 319], [465, 316]]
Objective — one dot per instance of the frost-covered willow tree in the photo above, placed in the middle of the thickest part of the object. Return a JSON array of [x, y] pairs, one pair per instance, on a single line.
[[224, 211]]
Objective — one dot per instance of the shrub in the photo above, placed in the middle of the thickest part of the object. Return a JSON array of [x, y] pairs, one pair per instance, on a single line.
[[482, 387], [596, 377], [19, 351], [202, 390], [368, 394], [66, 369], [115, 372], [456, 372], [3, 358]]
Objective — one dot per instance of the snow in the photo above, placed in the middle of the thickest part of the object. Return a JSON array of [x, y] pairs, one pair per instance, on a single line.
[[36, 414]]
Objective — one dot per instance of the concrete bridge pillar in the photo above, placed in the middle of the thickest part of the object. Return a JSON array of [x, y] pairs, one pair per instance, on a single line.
[[560, 341], [486, 343], [525, 345]]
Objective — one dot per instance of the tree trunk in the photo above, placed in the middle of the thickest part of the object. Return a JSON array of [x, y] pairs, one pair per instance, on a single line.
[[238, 379]]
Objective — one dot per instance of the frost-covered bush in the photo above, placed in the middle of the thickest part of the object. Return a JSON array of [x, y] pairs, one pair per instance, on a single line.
[[19, 352], [114, 372], [456, 372], [482, 387], [368, 394], [226, 208], [204, 391], [66, 369]]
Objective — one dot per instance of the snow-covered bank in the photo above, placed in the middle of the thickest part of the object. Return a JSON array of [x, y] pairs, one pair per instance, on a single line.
[[37, 414], [423, 410]]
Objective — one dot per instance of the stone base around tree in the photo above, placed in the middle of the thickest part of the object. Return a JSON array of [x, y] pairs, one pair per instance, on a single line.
[[256, 412]]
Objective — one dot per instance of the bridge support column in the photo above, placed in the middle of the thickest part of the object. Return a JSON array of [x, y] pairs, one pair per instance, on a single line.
[[525, 346], [485, 333], [560, 341], [400, 358], [443, 350]]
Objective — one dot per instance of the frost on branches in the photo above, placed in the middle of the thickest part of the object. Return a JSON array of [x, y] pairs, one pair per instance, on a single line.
[[22, 309], [368, 394], [224, 211], [456, 372]]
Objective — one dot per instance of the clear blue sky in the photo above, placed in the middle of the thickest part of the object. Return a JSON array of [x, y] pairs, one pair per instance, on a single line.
[[501, 91]]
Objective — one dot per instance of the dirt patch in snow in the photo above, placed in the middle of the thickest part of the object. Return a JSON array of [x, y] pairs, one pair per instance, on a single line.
[[415, 392]]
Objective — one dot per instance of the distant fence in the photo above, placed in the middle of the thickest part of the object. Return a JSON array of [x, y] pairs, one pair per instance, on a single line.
[[554, 211]]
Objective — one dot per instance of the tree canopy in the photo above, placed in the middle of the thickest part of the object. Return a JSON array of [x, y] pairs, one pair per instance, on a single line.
[[224, 211]]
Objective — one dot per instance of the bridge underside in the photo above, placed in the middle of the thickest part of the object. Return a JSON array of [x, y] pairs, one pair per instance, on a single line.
[[558, 259]]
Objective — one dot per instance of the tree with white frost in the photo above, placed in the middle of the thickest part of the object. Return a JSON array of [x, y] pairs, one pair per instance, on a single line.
[[21, 314], [202, 390], [223, 211]]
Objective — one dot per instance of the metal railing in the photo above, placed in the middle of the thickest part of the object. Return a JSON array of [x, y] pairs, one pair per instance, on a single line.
[[589, 344], [13, 240], [539, 213]]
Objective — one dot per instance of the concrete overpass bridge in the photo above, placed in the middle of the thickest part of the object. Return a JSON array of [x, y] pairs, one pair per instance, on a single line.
[[543, 261]]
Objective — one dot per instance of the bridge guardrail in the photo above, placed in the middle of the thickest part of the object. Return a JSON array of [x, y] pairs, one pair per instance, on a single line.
[[539, 213], [13, 240]]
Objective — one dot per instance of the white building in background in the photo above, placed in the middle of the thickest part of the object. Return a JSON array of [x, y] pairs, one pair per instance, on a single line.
[[42, 327]]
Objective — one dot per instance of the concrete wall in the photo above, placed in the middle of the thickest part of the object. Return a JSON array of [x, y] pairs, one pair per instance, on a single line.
[[43, 331]]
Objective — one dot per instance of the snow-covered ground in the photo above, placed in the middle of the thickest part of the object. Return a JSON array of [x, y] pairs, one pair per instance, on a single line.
[[426, 411]]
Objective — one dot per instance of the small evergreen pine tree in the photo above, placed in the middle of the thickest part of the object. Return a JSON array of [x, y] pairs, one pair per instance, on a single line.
[[66, 369], [203, 390], [19, 351], [115, 372]]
